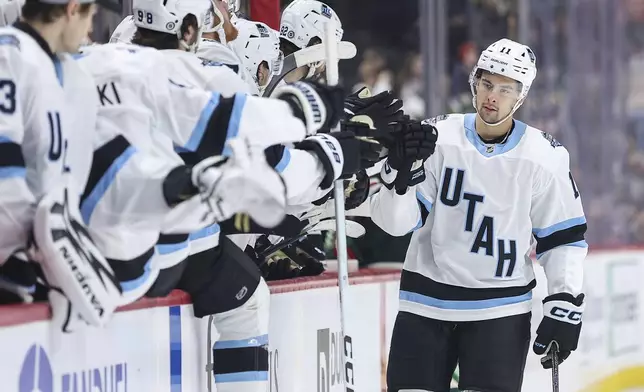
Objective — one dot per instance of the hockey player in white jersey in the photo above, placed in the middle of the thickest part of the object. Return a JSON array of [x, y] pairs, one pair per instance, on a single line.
[[239, 306], [302, 25], [46, 138], [258, 48], [492, 187]]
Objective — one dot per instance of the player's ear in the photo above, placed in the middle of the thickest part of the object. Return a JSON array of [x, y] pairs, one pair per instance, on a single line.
[[72, 8], [190, 36], [263, 74]]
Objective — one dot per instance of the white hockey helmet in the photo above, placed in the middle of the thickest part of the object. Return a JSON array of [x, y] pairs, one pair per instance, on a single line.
[[304, 20], [510, 59], [125, 31], [10, 11], [257, 43], [167, 16]]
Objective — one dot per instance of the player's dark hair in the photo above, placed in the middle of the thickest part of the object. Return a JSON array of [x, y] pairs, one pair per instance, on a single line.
[[34, 10], [160, 40]]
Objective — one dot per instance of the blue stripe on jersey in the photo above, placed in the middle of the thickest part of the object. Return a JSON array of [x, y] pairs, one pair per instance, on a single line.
[[165, 249], [12, 172], [577, 244], [473, 137], [255, 341], [134, 284], [235, 120], [202, 123], [205, 232], [89, 204], [428, 206], [541, 233], [284, 161], [462, 305], [59, 70], [242, 377]]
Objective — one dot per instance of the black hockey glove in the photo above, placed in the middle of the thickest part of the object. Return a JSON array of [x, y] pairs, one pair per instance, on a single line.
[[277, 268], [561, 325], [18, 278], [319, 106], [356, 154], [356, 191], [414, 142], [380, 110], [305, 254]]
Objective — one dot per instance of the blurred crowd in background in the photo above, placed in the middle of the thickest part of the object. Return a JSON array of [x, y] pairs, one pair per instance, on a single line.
[[589, 91]]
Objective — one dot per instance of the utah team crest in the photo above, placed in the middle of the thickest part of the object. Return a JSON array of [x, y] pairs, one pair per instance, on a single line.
[[434, 120], [326, 11], [553, 142]]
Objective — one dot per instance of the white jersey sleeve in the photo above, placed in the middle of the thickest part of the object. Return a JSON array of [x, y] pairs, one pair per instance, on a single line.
[[302, 172], [559, 224]]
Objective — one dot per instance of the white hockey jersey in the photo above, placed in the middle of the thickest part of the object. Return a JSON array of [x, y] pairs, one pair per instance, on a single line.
[[476, 217], [47, 119], [161, 110]]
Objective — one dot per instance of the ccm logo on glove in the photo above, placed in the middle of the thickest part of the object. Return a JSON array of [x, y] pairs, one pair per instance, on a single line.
[[566, 315]]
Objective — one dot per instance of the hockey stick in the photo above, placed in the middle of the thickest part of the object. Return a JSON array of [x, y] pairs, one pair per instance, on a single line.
[[354, 230], [308, 55], [332, 79], [554, 355]]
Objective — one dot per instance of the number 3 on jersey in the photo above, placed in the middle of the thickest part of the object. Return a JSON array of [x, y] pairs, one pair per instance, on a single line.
[[7, 96]]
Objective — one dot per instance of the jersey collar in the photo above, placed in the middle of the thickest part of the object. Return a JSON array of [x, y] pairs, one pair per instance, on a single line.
[[30, 31], [490, 150]]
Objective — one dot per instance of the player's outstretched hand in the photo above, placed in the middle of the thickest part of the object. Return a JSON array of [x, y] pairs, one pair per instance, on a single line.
[[380, 110], [342, 154], [561, 325], [356, 191], [413, 143]]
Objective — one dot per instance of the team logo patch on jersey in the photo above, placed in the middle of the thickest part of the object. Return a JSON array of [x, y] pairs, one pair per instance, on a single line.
[[553, 142], [211, 63], [263, 31], [326, 11], [434, 120], [11, 40]]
